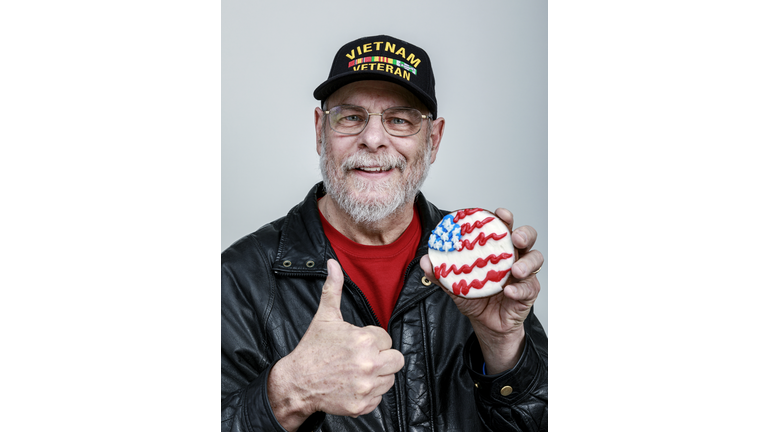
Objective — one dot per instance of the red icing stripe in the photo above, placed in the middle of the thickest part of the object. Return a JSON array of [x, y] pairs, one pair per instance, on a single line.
[[464, 213], [482, 239], [467, 228], [493, 276], [441, 271]]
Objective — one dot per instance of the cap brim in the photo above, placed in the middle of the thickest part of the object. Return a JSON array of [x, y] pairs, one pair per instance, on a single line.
[[331, 85]]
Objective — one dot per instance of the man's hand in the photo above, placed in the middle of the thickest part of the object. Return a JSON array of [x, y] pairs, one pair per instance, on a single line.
[[498, 320], [336, 368]]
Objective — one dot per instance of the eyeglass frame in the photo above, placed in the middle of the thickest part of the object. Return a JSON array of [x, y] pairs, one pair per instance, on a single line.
[[381, 116]]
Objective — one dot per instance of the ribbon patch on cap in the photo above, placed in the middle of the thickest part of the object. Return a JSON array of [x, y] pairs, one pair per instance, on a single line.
[[380, 59]]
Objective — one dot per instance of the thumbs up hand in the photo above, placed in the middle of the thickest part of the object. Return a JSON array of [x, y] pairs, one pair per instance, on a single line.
[[336, 368]]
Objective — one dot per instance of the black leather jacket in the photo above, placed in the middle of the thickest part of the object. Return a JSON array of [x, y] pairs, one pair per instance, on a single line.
[[271, 281]]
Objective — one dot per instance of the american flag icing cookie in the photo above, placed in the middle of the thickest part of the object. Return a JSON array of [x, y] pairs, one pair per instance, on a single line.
[[471, 252]]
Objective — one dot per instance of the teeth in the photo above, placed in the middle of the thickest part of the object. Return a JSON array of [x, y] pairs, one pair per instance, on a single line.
[[371, 169]]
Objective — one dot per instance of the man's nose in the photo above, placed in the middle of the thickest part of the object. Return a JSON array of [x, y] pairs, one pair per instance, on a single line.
[[374, 135]]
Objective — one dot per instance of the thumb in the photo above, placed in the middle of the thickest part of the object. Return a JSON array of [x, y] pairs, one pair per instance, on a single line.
[[330, 301], [426, 267]]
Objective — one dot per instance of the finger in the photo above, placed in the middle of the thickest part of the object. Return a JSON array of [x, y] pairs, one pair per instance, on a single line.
[[376, 336], [527, 264], [524, 292], [426, 266], [381, 385], [366, 407], [391, 360], [330, 301], [506, 216], [524, 238]]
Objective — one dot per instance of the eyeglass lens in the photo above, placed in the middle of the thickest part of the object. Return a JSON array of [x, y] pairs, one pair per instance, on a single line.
[[351, 119]]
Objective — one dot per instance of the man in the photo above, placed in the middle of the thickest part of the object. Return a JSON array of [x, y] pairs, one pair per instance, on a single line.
[[332, 318]]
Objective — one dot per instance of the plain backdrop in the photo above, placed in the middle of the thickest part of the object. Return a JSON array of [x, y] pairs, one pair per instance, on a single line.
[[110, 171], [490, 65]]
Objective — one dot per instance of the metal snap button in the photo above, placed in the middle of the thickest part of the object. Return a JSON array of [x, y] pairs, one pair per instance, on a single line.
[[286, 263], [506, 391], [310, 264], [426, 281]]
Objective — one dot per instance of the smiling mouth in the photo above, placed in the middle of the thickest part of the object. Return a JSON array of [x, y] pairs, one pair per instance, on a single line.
[[374, 169], [374, 164]]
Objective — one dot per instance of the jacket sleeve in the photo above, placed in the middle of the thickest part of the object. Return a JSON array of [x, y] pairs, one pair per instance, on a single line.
[[515, 400], [246, 358]]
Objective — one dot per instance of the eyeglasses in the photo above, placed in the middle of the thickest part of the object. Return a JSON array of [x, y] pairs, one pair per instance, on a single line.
[[397, 121]]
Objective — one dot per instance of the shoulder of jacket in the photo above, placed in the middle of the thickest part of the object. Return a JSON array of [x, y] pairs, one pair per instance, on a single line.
[[264, 240]]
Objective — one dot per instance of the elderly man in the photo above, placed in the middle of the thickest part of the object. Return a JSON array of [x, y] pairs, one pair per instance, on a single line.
[[332, 318]]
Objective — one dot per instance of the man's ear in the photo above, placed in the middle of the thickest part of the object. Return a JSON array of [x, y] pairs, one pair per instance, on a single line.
[[438, 127], [319, 118]]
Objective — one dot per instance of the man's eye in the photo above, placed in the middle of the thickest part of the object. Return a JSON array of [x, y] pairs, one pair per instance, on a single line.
[[353, 118], [398, 121]]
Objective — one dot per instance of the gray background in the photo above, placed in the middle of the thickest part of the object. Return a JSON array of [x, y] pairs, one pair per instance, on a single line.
[[490, 63]]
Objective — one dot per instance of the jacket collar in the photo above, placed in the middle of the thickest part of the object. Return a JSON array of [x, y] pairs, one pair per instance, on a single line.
[[304, 248]]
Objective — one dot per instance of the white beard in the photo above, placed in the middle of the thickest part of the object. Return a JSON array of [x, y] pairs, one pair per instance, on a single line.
[[367, 201]]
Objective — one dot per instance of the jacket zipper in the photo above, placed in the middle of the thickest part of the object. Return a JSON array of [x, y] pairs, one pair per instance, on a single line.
[[365, 300], [299, 273], [399, 415]]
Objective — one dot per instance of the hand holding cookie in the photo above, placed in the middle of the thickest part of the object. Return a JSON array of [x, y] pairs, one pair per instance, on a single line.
[[495, 291]]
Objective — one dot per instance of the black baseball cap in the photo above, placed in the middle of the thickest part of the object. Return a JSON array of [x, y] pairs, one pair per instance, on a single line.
[[382, 58]]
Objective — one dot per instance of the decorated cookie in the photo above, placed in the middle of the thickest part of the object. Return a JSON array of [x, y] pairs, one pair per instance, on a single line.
[[471, 252]]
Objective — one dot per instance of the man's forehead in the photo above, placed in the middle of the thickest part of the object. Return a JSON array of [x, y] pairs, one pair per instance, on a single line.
[[375, 89]]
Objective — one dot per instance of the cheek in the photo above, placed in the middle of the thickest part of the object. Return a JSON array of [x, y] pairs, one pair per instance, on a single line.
[[418, 153], [338, 149], [411, 150]]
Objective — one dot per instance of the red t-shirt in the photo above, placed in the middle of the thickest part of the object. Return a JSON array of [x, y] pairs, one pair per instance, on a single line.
[[379, 271]]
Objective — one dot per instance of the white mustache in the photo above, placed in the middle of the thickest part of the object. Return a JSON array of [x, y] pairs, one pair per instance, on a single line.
[[386, 161]]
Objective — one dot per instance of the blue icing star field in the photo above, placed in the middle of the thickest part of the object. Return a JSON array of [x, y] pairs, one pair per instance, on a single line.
[[447, 236]]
